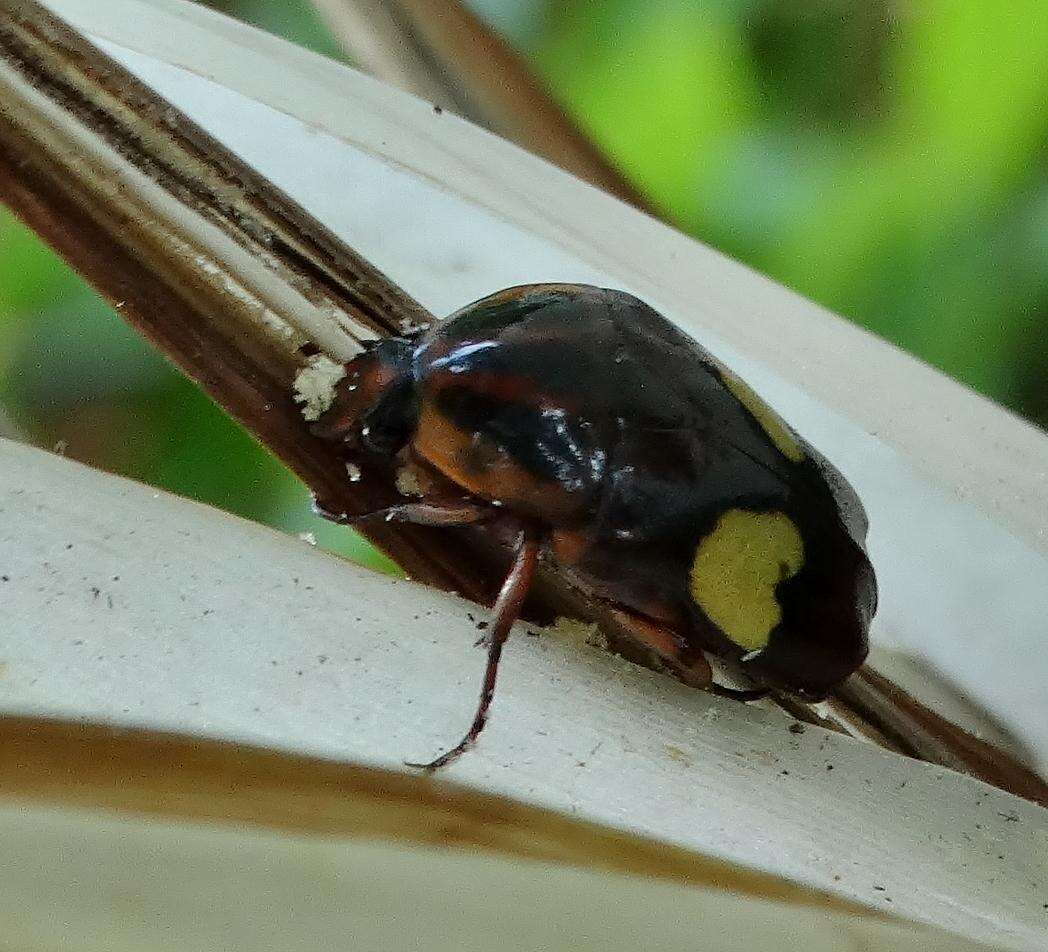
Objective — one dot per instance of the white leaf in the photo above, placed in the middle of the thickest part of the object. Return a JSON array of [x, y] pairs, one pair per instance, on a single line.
[[129, 606], [171, 842]]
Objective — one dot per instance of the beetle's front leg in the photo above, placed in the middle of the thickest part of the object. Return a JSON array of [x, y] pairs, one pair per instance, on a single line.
[[439, 502], [418, 513]]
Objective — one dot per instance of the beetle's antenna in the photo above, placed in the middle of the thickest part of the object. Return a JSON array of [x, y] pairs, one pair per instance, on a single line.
[[506, 610]]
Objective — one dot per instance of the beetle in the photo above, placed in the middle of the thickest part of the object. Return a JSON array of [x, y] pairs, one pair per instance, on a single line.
[[649, 473]]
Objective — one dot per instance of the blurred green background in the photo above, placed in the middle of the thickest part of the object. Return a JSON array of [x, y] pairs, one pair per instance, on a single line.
[[887, 160]]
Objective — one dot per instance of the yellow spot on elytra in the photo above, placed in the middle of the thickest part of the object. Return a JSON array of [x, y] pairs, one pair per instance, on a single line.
[[736, 569], [767, 419]]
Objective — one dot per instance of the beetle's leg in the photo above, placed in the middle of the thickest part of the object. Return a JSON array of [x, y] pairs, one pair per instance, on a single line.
[[507, 607], [687, 664], [419, 513], [432, 514]]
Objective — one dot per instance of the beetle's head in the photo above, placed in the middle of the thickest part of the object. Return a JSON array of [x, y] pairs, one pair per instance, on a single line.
[[374, 406]]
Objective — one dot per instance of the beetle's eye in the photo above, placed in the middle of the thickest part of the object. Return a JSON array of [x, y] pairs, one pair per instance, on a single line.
[[737, 568]]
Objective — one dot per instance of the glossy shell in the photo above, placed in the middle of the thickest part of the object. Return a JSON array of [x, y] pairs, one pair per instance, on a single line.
[[666, 484]]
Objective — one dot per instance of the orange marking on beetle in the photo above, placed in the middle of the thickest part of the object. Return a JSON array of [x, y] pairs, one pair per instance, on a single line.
[[486, 470]]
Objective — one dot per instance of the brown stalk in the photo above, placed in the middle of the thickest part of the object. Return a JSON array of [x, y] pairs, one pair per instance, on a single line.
[[237, 283], [163, 282], [921, 733]]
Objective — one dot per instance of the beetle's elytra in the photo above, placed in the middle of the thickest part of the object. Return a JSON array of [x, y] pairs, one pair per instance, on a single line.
[[655, 478]]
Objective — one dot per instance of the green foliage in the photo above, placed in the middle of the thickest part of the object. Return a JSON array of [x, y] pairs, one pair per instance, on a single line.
[[887, 160]]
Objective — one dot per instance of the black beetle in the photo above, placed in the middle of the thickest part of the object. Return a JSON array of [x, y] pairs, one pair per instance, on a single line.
[[654, 477]]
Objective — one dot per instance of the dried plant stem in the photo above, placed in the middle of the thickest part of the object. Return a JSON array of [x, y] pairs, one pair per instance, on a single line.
[[208, 260], [915, 730]]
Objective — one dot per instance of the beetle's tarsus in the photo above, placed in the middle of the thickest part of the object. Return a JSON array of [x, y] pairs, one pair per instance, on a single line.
[[739, 694], [443, 759]]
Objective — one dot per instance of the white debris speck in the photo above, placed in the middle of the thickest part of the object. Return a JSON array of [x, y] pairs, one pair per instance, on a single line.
[[824, 710], [315, 385], [308, 538], [407, 482], [574, 630], [354, 473]]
